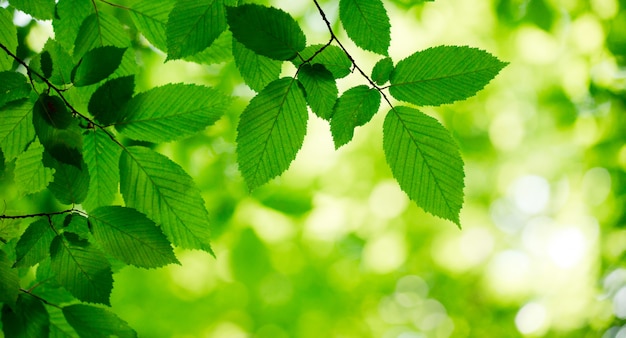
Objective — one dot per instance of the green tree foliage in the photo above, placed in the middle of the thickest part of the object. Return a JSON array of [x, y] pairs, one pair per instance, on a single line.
[[75, 127]]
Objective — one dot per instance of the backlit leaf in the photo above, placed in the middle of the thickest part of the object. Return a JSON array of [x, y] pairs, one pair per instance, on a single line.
[[102, 157], [332, 58], [13, 86], [131, 237], [443, 74], [193, 25], [8, 38], [268, 31], [220, 50], [9, 280], [257, 70], [34, 244], [425, 161], [367, 24], [70, 184], [321, 89], [99, 30], [81, 269], [29, 318], [107, 101], [271, 131], [382, 70], [70, 14], [161, 189], [96, 322], [31, 175], [354, 108], [97, 64], [40, 9], [158, 115], [53, 111], [16, 128], [150, 17]]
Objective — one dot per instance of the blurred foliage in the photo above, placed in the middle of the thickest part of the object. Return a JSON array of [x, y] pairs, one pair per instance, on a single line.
[[333, 248]]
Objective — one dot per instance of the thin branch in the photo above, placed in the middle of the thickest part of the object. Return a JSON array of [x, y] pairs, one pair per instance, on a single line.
[[28, 292], [116, 5], [46, 214]]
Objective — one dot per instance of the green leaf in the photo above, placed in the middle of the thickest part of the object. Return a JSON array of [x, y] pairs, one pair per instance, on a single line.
[[107, 101], [443, 74], [193, 25], [332, 58], [16, 128], [34, 244], [219, 51], [9, 281], [76, 224], [8, 38], [13, 86], [10, 229], [367, 24], [425, 160], [95, 322], [67, 22], [81, 269], [59, 327], [267, 31], [382, 70], [131, 237], [64, 145], [257, 70], [29, 319], [53, 111], [97, 64], [31, 175], [40, 9], [271, 131], [99, 30], [320, 88], [54, 62], [161, 189], [150, 17], [353, 109], [101, 157], [158, 115], [70, 184]]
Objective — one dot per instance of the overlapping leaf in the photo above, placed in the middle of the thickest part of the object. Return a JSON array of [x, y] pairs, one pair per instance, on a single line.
[[102, 158], [107, 101], [382, 70], [70, 14], [271, 131], [40, 9], [95, 322], [9, 281], [354, 108], [96, 65], [131, 237], [150, 17], [159, 188], [331, 57], [54, 62], [13, 86], [81, 269], [28, 319], [70, 184], [16, 128], [34, 244], [8, 38], [257, 70], [31, 175], [425, 161], [367, 24], [99, 30], [193, 25], [320, 87], [443, 74], [268, 31], [158, 115]]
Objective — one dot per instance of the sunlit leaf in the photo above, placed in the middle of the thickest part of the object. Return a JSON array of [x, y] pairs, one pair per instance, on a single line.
[[382, 70], [102, 157], [96, 322], [13, 86], [31, 175], [57, 59], [161, 189], [366, 23], [70, 184], [193, 25], [59, 327], [443, 74], [34, 244], [331, 57], [40, 9], [8, 38], [220, 50], [100, 30], [150, 17], [97, 64], [29, 318], [268, 31], [271, 131], [158, 115], [81, 269], [425, 161], [70, 14], [107, 101], [9, 280], [257, 70], [320, 87], [16, 128], [354, 108], [63, 145]]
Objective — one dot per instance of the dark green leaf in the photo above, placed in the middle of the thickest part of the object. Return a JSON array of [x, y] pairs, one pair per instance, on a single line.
[[332, 58], [102, 156], [29, 319], [158, 115], [257, 70], [40, 9], [64, 145], [193, 25], [161, 189], [97, 64], [59, 327], [99, 30], [8, 38], [367, 24], [76, 224], [16, 128], [443, 74], [70, 183], [70, 14], [54, 63], [425, 160], [53, 111], [94, 322], [9, 281], [321, 89], [267, 31], [34, 244], [31, 175], [353, 109], [13, 86], [382, 70], [81, 269], [150, 17], [271, 131], [107, 101], [131, 237]]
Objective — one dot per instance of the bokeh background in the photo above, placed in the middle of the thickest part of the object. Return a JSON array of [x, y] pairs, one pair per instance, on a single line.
[[333, 248]]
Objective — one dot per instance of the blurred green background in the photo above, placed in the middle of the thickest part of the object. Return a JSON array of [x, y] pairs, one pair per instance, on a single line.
[[333, 248]]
